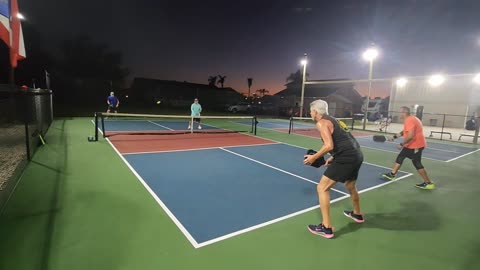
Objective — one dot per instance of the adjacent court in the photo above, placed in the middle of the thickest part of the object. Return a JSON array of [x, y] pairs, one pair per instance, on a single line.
[[435, 151]]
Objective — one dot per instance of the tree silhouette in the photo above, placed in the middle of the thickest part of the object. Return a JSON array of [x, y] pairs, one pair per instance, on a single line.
[[249, 81], [212, 81], [296, 77], [221, 80], [262, 92]]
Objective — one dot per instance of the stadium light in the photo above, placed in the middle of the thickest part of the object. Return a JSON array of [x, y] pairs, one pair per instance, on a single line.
[[402, 82], [20, 16], [436, 80], [476, 79], [304, 63], [369, 55]]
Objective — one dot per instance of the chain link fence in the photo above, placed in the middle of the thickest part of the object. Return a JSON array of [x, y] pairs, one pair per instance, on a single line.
[[438, 126], [25, 116]]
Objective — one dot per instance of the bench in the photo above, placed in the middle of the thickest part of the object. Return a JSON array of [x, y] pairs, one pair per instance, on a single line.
[[466, 135], [441, 133]]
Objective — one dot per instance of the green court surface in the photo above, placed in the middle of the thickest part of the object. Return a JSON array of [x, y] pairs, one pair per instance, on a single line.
[[77, 206]]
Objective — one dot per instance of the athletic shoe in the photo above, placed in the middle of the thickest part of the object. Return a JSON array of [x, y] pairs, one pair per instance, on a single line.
[[426, 185], [356, 218], [389, 176], [199, 127], [321, 230], [189, 127]]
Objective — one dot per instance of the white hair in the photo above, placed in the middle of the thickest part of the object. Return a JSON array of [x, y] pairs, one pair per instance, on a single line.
[[111, 93], [320, 106]]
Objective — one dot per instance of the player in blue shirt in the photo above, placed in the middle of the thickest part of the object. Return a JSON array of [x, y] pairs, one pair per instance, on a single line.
[[196, 109], [113, 103]]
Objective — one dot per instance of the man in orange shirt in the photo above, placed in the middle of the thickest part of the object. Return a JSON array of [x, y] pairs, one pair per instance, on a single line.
[[412, 147]]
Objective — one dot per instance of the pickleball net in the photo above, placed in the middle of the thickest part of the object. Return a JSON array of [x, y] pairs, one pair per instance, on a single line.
[[111, 124], [306, 126]]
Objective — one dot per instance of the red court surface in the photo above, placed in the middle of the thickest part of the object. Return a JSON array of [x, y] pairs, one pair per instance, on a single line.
[[155, 143]]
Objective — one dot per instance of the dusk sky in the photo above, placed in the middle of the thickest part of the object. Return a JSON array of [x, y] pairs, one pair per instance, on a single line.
[[266, 42]]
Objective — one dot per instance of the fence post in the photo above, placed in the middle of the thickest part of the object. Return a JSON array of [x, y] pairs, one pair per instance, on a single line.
[[477, 128], [443, 126], [96, 127]]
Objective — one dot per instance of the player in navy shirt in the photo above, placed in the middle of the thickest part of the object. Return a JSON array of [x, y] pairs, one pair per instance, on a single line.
[[113, 103]]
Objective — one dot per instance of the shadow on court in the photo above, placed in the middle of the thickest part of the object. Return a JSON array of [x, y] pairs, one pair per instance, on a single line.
[[413, 216]]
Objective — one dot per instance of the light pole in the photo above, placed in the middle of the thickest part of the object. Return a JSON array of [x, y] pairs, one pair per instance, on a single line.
[[304, 63], [369, 55]]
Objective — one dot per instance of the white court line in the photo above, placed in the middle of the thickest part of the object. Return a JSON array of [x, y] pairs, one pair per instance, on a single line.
[[196, 149], [151, 122], [464, 155], [270, 222], [278, 169], [157, 199]]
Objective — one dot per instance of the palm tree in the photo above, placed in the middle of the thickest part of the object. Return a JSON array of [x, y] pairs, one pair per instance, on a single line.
[[262, 91], [212, 81], [221, 80], [249, 81], [296, 77]]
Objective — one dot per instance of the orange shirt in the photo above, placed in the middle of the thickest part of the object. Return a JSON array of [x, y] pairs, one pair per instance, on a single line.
[[413, 124]]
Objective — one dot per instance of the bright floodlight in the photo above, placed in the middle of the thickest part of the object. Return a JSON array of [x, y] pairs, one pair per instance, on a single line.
[[370, 54], [401, 82], [436, 80], [303, 62], [476, 79], [20, 16]]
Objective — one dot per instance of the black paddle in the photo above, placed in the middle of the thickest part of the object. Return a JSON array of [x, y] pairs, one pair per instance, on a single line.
[[317, 163], [379, 138]]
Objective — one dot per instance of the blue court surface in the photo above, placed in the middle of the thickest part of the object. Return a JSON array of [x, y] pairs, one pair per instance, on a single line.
[[435, 151], [213, 194]]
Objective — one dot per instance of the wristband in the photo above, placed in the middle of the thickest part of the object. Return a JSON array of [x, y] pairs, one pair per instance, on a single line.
[[395, 136], [401, 144]]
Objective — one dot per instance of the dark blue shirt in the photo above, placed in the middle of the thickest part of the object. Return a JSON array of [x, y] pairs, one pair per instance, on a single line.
[[113, 100]]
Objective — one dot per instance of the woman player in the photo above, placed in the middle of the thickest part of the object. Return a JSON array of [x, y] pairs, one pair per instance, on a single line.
[[343, 165]]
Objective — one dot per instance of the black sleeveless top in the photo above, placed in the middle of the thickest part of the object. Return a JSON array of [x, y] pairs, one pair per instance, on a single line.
[[346, 149]]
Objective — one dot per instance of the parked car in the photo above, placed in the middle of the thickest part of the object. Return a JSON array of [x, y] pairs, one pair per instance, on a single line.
[[240, 107]]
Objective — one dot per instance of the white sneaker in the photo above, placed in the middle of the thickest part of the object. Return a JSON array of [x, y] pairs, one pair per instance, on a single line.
[[199, 127], [189, 127]]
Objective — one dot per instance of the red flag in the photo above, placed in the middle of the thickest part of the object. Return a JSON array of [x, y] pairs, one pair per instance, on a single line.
[[11, 30]]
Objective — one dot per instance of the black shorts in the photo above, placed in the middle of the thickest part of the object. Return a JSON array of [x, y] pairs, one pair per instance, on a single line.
[[342, 172], [197, 120], [413, 154], [112, 108]]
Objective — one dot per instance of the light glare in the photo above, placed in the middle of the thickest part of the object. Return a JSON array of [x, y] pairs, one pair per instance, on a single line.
[[20, 16], [476, 79], [401, 82], [436, 80], [303, 62], [370, 54]]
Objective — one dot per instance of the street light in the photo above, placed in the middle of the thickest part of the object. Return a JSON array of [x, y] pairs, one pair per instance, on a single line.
[[369, 55], [304, 64], [476, 79], [436, 80], [402, 82]]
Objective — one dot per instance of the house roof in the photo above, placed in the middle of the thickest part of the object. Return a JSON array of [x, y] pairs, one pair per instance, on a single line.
[[139, 82]]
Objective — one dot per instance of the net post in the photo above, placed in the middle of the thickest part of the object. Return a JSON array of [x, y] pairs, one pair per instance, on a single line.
[[353, 122], [96, 127], [26, 120], [255, 125], [103, 124], [477, 130]]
